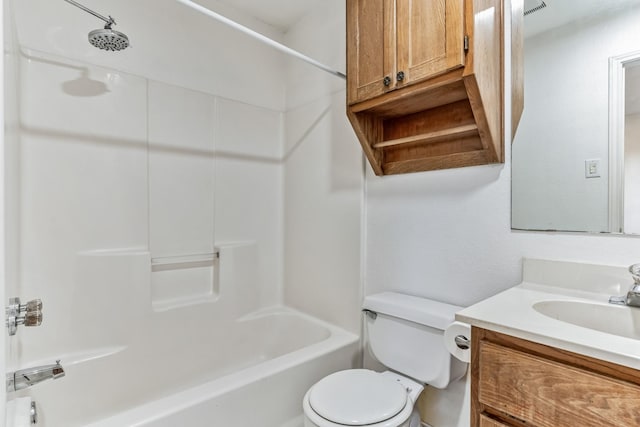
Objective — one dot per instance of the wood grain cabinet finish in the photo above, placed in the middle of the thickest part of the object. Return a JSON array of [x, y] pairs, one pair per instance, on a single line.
[[424, 82], [394, 44], [519, 383], [370, 45], [430, 38], [485, 421]]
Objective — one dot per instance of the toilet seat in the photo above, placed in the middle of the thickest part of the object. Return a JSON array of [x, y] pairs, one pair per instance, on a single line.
[[358, 397]]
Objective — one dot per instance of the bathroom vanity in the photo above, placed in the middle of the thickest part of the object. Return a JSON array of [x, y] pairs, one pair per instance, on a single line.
[[516, 382], [552, 354]]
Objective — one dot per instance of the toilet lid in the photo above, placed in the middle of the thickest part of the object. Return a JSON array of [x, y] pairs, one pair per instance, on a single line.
[[357, 397]]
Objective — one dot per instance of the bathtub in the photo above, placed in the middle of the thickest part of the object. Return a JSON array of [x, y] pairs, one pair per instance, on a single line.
[[257, 377]]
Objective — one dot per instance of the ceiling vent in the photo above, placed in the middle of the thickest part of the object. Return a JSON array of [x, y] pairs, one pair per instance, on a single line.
[[531, 6]]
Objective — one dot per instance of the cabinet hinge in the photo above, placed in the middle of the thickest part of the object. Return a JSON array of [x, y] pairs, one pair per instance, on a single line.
[[466, 43]]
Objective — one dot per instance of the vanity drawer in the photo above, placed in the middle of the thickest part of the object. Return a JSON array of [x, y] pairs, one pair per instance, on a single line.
[[546, 393]]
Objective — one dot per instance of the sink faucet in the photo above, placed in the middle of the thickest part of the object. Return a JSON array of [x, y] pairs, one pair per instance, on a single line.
[[26, 378], [633, 294]]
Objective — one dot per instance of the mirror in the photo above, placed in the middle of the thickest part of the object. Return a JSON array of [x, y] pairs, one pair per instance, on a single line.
[[576, 154]]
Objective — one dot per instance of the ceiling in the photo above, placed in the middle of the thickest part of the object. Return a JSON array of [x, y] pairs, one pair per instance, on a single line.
[[560, 12], [281, 14]]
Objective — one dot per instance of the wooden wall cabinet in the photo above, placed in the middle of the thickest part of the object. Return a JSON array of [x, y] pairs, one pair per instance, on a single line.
[[519, 383], [425, 82]]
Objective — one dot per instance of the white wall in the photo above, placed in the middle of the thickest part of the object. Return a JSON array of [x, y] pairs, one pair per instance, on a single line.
[[323, 178], [566, 122]]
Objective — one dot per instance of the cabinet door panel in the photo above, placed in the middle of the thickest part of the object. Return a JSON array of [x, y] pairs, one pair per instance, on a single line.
[[370, 47], [430, 38]]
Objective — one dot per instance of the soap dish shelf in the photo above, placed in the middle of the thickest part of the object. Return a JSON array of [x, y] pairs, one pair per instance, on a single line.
[[184, 261]]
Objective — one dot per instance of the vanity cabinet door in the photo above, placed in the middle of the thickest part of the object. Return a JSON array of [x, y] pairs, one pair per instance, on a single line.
[[430, 38], [392, 44], [370, 48], [425, 82], [540, 386]]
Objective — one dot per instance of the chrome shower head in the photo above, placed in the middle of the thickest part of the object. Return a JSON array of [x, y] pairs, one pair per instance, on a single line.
[[108, 39]]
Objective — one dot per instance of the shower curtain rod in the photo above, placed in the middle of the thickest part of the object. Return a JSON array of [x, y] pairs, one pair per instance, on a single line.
[[261, 37]]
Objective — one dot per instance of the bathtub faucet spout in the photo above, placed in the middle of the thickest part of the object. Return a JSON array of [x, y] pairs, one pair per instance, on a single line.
[[26, 378]]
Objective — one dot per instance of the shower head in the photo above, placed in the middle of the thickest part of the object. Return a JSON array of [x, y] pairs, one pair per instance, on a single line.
[[106, 39]]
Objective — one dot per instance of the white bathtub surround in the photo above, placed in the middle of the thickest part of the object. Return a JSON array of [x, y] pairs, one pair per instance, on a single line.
[[181, 171], [19, 412], [323, 178], [253, 354], [194, 185], [169, 43], [294, 351], [151, 214], [9, 184], [104, 214]]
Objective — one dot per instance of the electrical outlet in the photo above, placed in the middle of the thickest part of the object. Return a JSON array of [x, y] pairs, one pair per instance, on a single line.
[[592, 168]]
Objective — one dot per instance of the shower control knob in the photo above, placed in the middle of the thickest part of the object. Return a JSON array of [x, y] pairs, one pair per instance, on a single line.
[[32, 305], [29, 314], [33, 318]]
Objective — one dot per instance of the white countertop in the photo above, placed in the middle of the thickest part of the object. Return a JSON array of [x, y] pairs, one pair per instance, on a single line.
[[511, 312]]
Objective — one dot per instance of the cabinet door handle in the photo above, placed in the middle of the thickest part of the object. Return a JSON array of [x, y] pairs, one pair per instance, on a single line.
[[386, 81], [400, 76]]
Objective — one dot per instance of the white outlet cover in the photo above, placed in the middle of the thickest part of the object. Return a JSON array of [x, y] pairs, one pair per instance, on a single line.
[[592, 168]]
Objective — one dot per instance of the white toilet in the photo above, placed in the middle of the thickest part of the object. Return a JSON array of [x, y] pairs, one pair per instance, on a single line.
[[406, 334]]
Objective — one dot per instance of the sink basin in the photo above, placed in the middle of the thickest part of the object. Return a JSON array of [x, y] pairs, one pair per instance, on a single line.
[[616, 320]]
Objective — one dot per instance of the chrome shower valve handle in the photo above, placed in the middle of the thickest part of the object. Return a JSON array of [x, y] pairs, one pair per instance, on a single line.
[[29, 314]]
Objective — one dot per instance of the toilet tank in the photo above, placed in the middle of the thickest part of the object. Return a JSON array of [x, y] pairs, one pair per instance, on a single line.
[[406, 334]]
